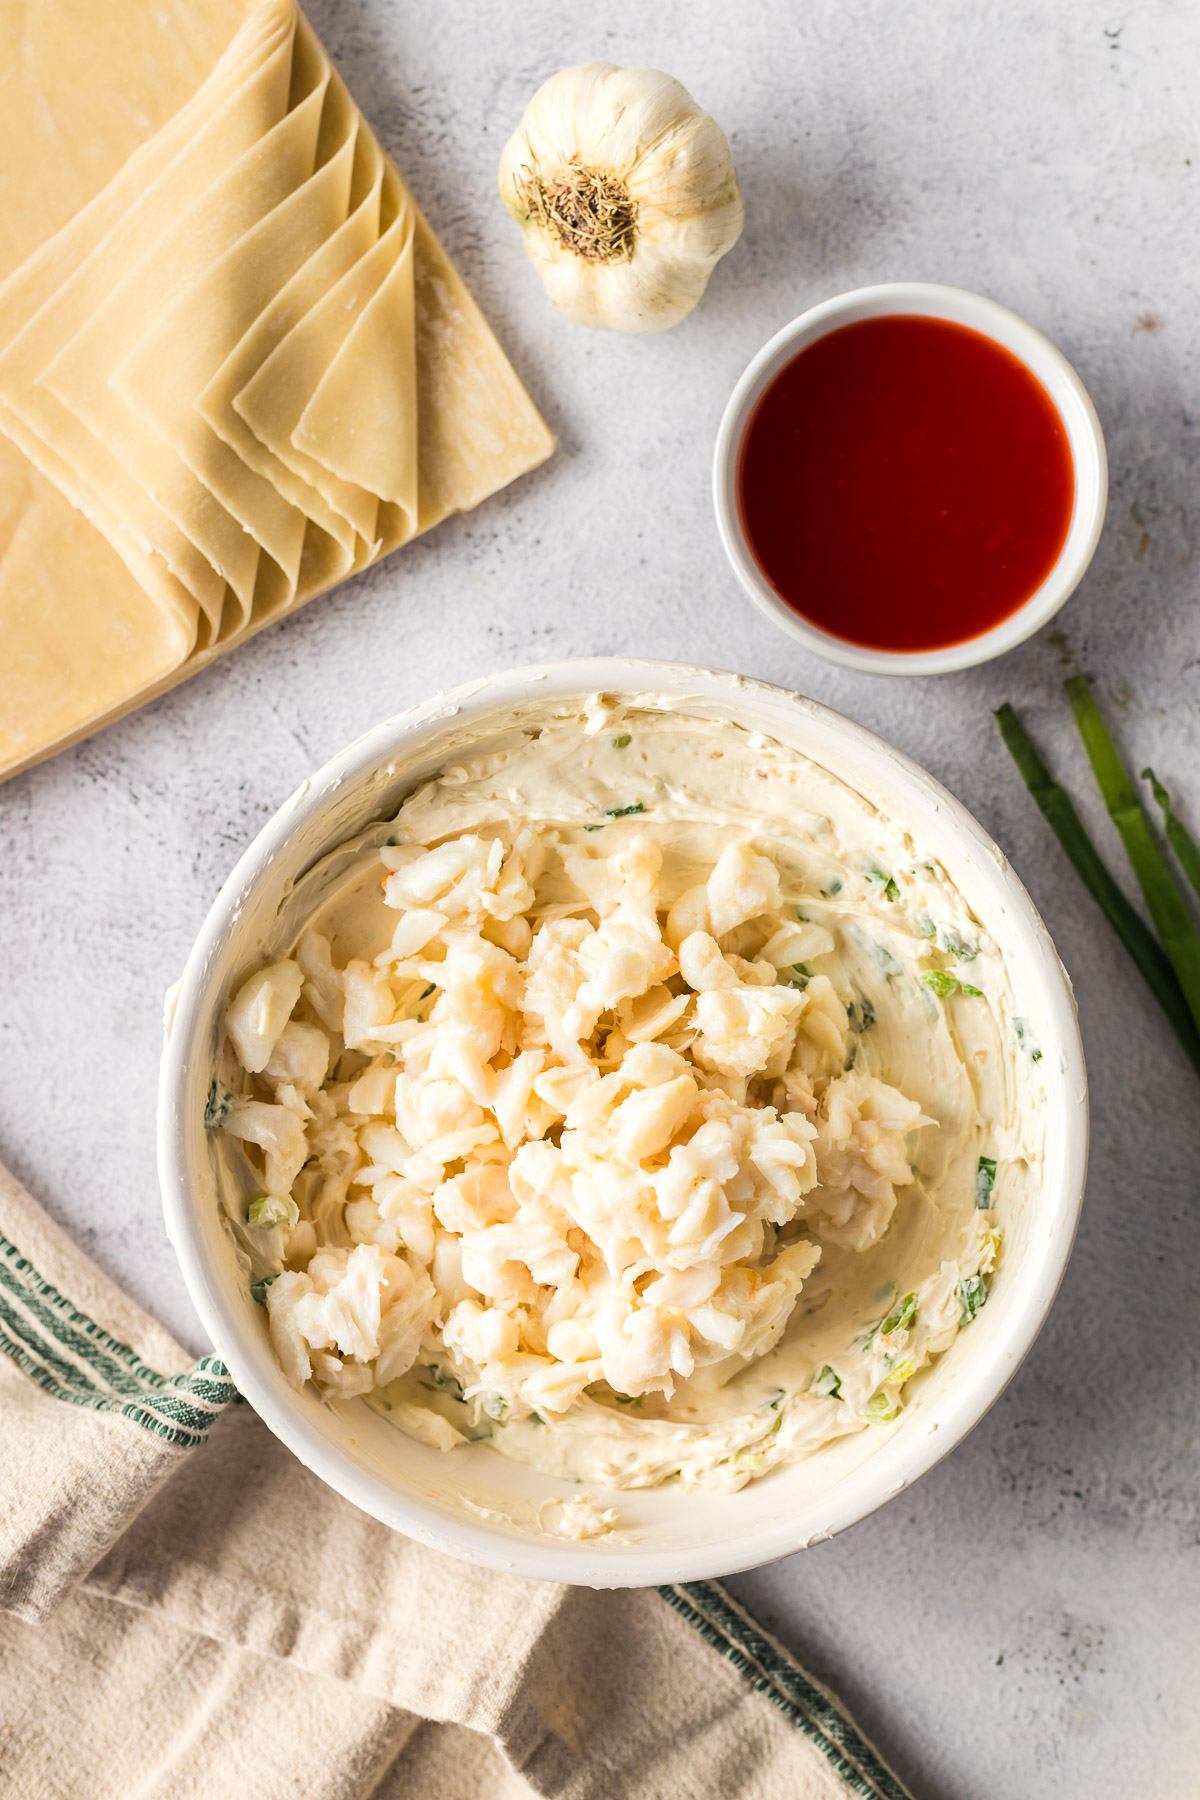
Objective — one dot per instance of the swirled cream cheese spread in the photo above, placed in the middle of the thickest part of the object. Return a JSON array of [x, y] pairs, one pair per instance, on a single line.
[[640, 1100]]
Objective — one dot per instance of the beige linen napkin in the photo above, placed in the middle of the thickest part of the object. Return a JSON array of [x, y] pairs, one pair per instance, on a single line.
[[188, 1614]]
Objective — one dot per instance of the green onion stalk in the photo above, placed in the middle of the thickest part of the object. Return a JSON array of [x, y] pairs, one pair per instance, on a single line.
[[1168, 909], [1178, 836], [1143, 947]]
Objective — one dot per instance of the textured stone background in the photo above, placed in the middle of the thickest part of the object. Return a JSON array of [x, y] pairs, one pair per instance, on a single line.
[[1024, 1622]]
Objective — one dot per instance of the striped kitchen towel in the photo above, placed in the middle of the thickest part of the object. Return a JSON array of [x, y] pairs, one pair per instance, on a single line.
[[188, 1614]]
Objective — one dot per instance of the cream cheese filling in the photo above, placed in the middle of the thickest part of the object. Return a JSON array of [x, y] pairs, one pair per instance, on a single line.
[[903, 993]]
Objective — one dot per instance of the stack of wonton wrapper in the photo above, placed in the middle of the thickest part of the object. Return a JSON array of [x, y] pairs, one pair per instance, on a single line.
[[236, 366]]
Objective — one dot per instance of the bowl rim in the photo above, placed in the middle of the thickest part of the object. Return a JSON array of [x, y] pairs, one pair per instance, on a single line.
[[1044, 360], [897, 1463]]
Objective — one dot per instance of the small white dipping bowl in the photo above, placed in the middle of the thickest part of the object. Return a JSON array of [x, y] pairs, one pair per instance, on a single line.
[[474, 1502], [1041, 358]]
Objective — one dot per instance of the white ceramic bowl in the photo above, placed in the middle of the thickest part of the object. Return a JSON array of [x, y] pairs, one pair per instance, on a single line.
[[1039, 355], [670, 1535]]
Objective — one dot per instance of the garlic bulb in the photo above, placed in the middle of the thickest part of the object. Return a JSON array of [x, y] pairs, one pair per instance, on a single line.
[[626, 195]]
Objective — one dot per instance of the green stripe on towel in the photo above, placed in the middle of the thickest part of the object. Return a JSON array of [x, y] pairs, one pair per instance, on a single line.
[[117, 1362], [73, 1358], [769, 1669]]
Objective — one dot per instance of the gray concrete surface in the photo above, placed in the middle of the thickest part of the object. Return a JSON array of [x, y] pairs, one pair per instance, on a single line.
[[1024, 1622]]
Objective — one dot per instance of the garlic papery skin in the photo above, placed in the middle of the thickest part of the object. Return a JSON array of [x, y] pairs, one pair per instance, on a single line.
[[626, 194]]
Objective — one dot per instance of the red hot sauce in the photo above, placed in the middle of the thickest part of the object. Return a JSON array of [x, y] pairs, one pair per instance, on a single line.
[[905, 483]]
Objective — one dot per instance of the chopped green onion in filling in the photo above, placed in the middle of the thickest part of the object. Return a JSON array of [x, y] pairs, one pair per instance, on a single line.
[[623, 812], [899, 1372], [258, 1289], [985, 1181], [861, 1014], [1026, 1040], [953, 943], [882, 879], [218, 1106], [754, 1457], [902, 1314], [943, 983], [828, 1385], [444, 1380], [273, 1209], [972, 1293]]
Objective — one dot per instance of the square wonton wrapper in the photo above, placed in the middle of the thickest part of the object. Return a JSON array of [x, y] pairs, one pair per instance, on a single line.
[[107, 604]]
